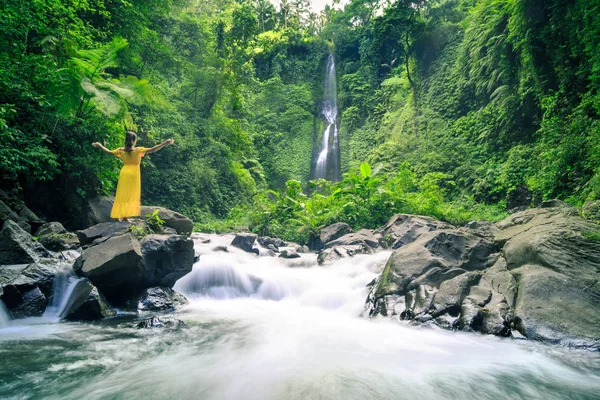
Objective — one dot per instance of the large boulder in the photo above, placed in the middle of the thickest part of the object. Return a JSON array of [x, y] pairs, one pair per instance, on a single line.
[[25, 289], [32, 304], [182, 224], [366, 237], [98, 209], [334, 231], [86, 304], [554, 307], [60, 241], [554, 257], [121, 267], [18, 247], [166, 259], [245, 241], [50, 227], [433, 258], [402, 229], [536, 272], [102, 232], [114, 266]]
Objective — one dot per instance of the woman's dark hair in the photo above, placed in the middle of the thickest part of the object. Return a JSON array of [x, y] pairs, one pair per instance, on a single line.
[[130, 138]]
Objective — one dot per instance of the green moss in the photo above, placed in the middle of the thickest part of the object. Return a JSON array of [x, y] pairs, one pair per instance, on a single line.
[[591, 235]]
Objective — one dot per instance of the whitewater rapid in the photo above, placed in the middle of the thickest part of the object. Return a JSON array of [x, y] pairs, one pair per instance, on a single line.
[[274, 329]]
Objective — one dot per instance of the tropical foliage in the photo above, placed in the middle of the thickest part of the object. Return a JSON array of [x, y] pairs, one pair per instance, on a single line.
[[466, 107]]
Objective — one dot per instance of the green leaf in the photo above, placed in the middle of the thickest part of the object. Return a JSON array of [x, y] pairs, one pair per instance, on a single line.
[[365, 169]]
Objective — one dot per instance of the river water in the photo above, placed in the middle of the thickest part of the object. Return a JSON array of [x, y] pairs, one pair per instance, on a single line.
[[266, 328]]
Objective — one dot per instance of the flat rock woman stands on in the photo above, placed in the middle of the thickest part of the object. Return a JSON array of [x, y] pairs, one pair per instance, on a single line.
[[129, 188]]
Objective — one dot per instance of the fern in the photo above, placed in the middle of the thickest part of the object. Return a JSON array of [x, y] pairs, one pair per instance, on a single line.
[[87, 85]]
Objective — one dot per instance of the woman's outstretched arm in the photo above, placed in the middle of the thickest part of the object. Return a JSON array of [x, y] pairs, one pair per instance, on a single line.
[[104, 149], [159, 146]]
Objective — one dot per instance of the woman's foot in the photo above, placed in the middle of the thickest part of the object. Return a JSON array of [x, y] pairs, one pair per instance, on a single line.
[[128, 220]]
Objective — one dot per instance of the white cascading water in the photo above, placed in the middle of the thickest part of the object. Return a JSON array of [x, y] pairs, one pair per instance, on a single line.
[[327, 165], [265, 328], [4, 316], [62, 289]]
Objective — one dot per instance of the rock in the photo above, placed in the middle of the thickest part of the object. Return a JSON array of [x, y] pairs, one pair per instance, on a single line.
[[501, 281], [554, 307], [18, 279], [535, 273], [433, 258], [86, 304], [451, 293], [334, 231], [18, 247], [60, 242], [6, 213], [302, 249], [448, 321], [267, 242], [555, 203], [519, 198], [418, 301], [29, 216], [50, 227], [166, 259], [12, 200], [160, 299], [168, 231], [338, 252], [31, 304], [182, 224], [591, 210], [402, 229], [25, 226], [121, 267], [244, 241], [102, 231], [289, 253], [363, 237], [98, 210], [161, 322], [114, 266], [224, 249], [555, 238], [550, 277]]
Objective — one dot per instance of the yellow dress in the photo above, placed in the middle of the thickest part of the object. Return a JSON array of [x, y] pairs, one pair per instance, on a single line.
[[129, 187]]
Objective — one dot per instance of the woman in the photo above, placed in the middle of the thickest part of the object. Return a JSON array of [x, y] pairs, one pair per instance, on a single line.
[[129, 188]]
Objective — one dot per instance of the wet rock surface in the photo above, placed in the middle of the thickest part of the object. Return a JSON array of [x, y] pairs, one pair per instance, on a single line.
[[122, 266], [160, 322], [160, 299], [535, 274]]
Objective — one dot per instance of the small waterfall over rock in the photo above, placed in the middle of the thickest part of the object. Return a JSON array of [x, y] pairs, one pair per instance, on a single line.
[[4, 315], [64, 285], [327, 163]]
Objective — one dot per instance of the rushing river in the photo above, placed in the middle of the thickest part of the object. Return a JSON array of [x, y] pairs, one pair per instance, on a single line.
[[267, 328]]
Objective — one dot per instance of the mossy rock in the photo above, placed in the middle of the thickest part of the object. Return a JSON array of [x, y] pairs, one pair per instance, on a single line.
[[60, 241]]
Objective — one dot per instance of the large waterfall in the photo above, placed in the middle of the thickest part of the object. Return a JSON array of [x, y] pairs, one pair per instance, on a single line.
[[327, 163]]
